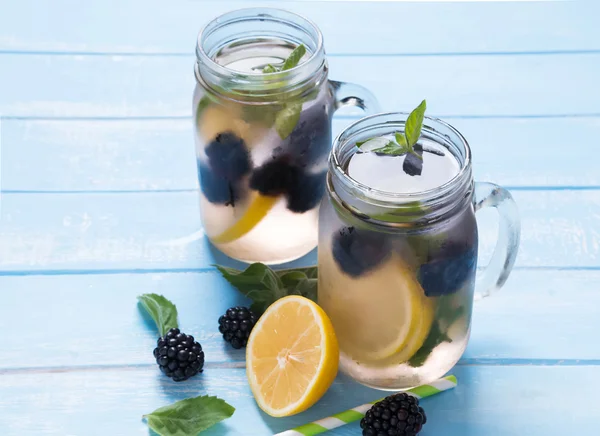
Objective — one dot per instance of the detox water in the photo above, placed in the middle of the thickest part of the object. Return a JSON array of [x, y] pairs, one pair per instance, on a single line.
[[398, 287], [262, 160]]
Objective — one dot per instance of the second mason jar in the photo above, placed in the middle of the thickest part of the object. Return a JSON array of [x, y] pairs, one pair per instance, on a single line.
[[263, 107], [398, 251]]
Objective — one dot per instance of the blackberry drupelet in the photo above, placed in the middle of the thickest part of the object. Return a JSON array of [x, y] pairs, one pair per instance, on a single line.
[[216, 189], [357, 251], [228, 157], [396, 415], [276, 177], [178, 355], [310, 141], [448, 270], [306, 193], [236, 325]]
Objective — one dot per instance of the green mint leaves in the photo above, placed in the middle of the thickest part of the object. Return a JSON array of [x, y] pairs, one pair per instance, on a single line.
[[294, 58], [189, 417], [414, 123], [404, 142], [287, 118], [264, 286], [446, 314], [270, 69], [162, 311], [292, 61]]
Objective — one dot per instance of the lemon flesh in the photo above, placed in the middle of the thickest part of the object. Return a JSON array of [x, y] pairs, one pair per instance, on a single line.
[[259, 207], [380, 315], [292, 356]]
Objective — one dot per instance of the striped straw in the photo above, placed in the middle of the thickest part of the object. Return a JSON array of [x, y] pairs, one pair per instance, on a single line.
[[357, 413]]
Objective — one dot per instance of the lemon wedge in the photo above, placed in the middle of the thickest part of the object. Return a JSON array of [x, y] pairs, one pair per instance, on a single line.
[[380, 315], [258, 208], [292, 356]]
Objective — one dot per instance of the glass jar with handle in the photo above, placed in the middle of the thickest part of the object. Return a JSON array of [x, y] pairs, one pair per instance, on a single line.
[[263, 108], [398, 249]]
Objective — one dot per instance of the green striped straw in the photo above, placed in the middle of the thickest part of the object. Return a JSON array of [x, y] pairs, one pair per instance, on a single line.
[[357, 413]]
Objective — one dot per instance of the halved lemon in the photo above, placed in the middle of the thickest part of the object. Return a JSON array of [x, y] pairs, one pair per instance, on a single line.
[[380, 315], [257, 209], [292, 356]]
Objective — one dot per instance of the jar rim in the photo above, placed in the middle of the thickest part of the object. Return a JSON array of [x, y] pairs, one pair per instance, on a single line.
[[431, 196], [291, 19]]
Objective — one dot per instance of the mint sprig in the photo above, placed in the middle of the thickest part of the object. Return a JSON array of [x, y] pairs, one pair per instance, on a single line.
[[264, 286], [403, 143], [189, 417], [162, 311], [288, 117]]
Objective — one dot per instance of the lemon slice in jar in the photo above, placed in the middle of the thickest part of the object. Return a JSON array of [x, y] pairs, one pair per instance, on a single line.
[[379, 315], [258, 208]]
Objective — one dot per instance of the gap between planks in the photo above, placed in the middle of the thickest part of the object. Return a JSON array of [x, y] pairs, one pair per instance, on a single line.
[[185, 190], [421, 54], [19, 273], [241, 364], [339, 117]]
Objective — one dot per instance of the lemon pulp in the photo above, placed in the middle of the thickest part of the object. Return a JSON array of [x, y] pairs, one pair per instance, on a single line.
[[258, 208], [292, 356], [380, 315]]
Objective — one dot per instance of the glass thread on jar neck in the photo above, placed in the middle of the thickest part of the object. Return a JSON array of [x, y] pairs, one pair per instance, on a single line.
[[251, 24], [392, 209]]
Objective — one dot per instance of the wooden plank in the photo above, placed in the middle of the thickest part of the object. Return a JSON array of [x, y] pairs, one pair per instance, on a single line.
[[155, 27], [98, 155], [141, 155], [491, 401], [548, 317], [124, 232], [158, 86]]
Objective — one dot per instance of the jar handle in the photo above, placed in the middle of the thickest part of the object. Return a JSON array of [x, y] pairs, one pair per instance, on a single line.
[[503, 259], [350, 94]]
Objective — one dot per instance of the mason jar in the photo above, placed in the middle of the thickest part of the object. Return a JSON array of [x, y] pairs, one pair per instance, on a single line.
[[263, 132], [397, 271]]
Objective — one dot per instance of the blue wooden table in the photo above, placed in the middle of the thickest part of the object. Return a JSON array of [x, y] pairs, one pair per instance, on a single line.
[[99, 203]]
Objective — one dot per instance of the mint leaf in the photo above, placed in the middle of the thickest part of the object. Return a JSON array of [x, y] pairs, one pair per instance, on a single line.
[[287, 118], [162, 311], [189, 417], [269, 69], [401, 140], [392, 149], [294, 58], [435, 338], [374, 143], [414, 123], [445, 315], [264, 286]]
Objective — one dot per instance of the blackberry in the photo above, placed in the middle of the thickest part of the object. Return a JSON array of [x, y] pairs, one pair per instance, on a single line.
[[396, 415], [448, 271], [228, 157], [217, 189], [236, 325], [178, 355], [276, 177], [310, 141], [357, 251], [413, 163], [306, 193]]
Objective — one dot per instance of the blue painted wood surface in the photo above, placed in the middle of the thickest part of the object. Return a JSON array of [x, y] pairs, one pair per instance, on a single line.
[[95, 106]]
